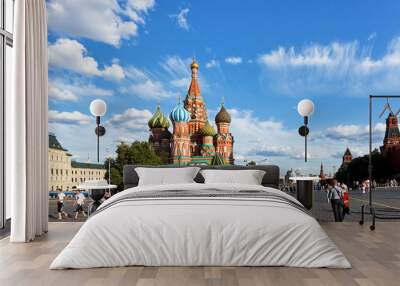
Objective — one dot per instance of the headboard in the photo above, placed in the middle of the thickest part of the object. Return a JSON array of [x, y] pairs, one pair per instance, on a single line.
[[270, 179]]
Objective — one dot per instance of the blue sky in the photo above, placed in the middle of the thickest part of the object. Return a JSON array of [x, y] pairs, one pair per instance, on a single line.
[[262, 57]]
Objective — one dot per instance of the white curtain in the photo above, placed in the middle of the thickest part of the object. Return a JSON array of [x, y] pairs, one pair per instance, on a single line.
[[26, 124]]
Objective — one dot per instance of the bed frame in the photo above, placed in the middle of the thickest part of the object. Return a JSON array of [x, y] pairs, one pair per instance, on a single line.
[[270, 179]]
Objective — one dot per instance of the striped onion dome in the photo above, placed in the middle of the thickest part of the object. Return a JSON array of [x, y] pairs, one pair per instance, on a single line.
[[223, 116], [207, 130], [158, 120], [179, 114]]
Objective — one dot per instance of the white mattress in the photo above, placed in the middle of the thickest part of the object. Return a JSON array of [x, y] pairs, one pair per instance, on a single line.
[[200, 231]]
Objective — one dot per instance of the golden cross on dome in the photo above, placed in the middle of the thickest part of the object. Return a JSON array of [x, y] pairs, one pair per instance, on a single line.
[[223, 101]]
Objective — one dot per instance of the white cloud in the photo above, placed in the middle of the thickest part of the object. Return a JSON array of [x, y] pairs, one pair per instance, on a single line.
[[99, 20], [180, 82], [74, 117], [114, 72], [141, 5], [144, 85], [71, 55], [213, 63], [181, 18], [233, 60], [132, 119], [61, 94], [176, 66], [355, 132], [344, 68], [150, 89], [71, 91]]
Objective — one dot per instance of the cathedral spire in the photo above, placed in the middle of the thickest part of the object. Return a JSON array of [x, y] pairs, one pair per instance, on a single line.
[[321, 172], [194, 88]]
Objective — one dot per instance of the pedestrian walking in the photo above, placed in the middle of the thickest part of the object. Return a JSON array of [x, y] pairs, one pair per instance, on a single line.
[[335, 197], [79, 202], [60, 204]]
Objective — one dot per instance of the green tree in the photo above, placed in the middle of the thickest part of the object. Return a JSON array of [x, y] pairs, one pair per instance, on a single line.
[[137, 153]]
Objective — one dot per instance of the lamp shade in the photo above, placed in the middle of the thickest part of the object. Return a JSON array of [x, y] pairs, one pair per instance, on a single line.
[[305, 107], [98, 107]]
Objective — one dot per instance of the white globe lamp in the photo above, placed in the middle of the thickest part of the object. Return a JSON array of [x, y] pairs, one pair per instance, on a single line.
[[98, 108], [305, 107]]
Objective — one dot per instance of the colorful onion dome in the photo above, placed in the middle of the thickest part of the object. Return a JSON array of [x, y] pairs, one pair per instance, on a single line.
[[207, 130], [158, 120], [179, 114], [223, 116]]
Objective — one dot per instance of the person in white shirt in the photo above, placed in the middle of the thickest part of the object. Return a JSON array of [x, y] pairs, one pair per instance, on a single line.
[[60, 204], [79, 202]]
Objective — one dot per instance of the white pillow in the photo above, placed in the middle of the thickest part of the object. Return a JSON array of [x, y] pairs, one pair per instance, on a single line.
[[248, 177], [166, 176]]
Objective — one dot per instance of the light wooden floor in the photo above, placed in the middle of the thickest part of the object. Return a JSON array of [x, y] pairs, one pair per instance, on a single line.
[[375, 257]]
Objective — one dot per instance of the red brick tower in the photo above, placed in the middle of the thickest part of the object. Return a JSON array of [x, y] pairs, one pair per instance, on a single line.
[[159, 133], [391, 142], [223, 141], [347, 157], [194, 103], [180, 143]]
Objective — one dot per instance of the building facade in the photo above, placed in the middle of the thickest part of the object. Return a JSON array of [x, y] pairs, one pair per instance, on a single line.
[[193, 140], [65, 173]]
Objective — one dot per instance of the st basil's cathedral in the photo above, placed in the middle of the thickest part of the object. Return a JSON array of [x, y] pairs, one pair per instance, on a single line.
[[193, 141]]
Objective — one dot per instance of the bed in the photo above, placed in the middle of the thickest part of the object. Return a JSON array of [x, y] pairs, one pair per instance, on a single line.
[[198, 224]]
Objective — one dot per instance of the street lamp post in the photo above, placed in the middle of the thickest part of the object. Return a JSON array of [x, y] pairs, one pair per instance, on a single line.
[[98, 108], [305, 109]]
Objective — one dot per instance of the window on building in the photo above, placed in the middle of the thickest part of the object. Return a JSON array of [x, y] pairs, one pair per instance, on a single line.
[[6, 44]]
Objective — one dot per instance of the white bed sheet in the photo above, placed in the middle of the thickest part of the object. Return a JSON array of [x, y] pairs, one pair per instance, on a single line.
[[200, 232]]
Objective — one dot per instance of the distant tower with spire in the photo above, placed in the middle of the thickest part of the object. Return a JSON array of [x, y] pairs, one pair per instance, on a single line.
[[347, 157], [194, 139], [321, 172]]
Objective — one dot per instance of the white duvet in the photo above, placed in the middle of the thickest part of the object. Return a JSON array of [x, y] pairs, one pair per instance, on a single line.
[[200, 231]]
